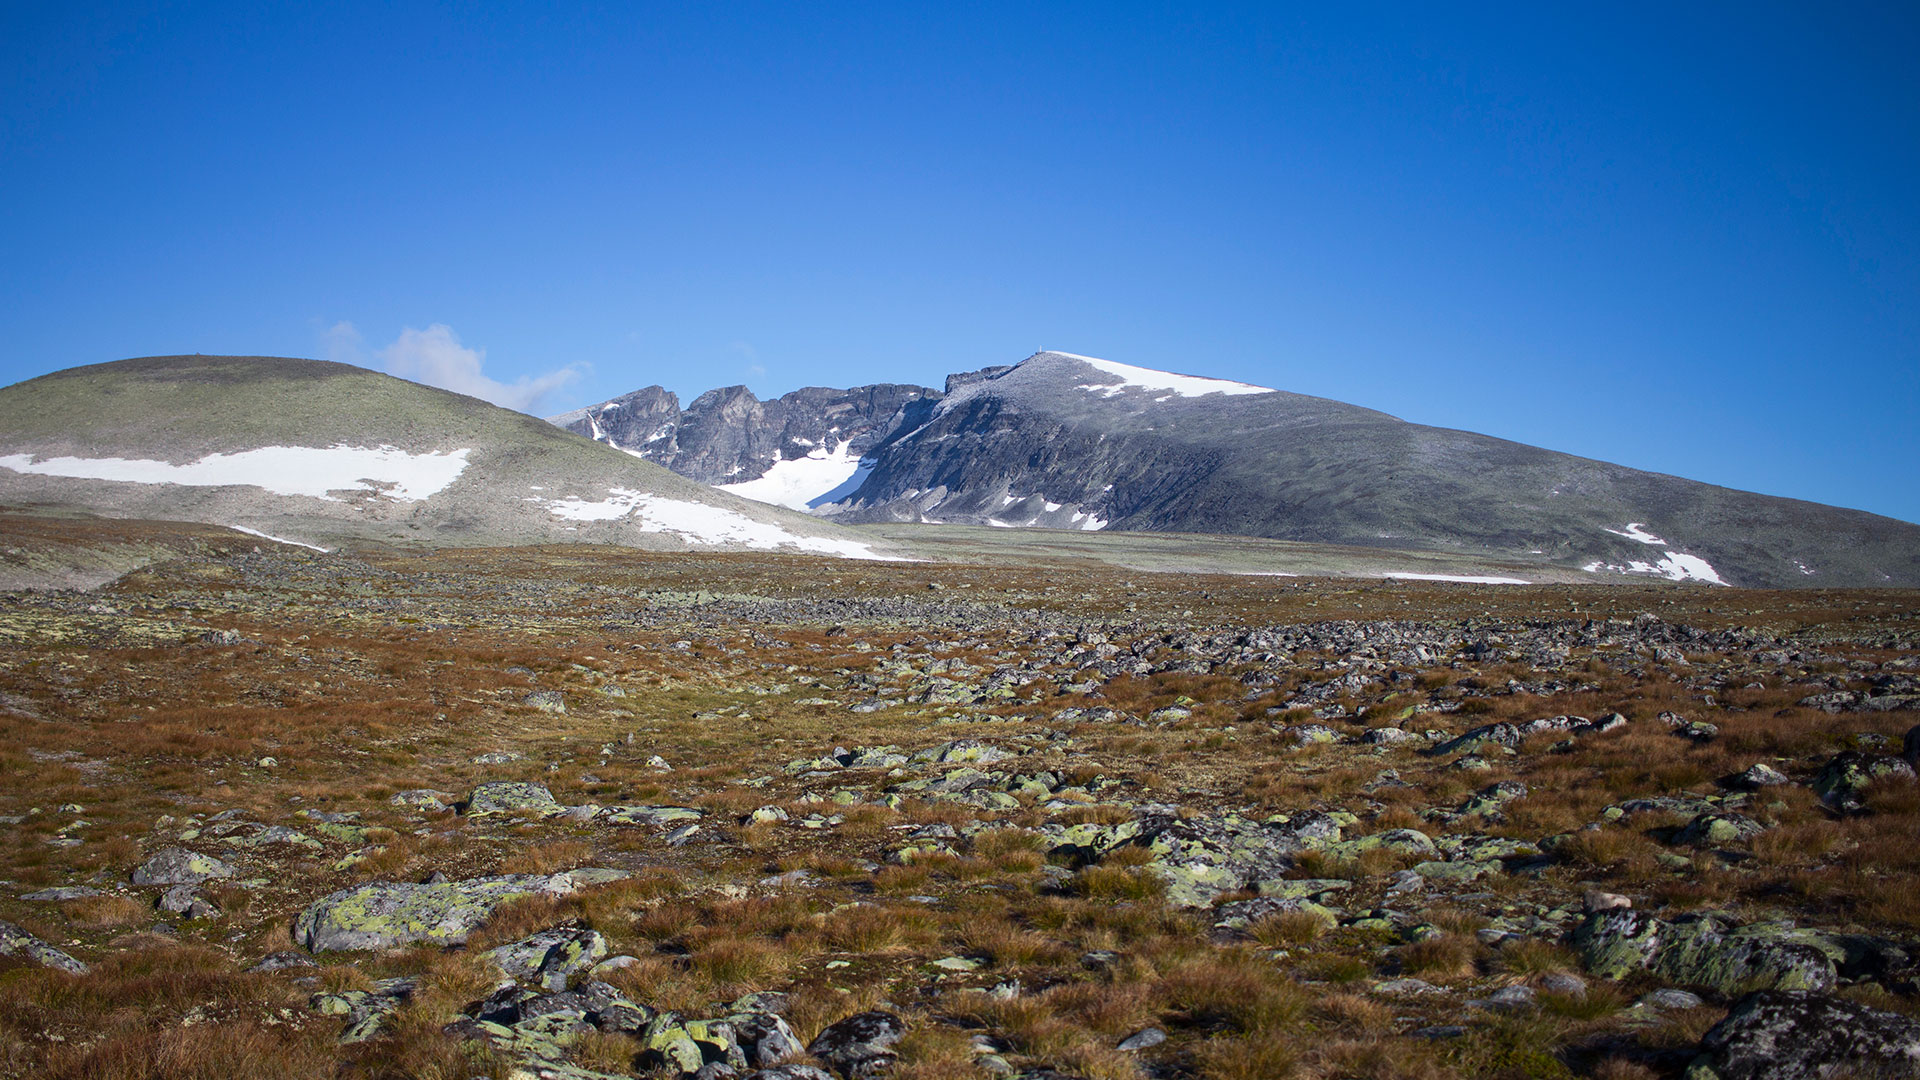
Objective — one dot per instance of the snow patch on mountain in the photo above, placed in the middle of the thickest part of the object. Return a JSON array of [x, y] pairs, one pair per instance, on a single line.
[[1636, 531], [313, 471], [1675, 566], [279, 539], [699, 523], [1162, 381], [804, 483]]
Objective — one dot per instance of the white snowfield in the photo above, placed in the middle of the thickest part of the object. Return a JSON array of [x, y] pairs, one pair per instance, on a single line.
[[1676, 566], [1673, 565], [699, 523], [1468, 579], [313, 471], [821, 477], [279, 539], [1161, 381]]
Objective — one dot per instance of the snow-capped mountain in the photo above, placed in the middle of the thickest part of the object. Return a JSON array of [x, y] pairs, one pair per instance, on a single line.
[[1076, 442], [317, 453]]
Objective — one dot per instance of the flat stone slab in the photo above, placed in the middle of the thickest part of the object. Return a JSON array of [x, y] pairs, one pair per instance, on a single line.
[[382, 915]]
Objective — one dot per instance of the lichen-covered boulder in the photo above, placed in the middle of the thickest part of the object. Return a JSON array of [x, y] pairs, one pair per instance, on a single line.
[[1719, 830], [861, 1046], [384, 914], [425, 799], [649, 815], [790, 1072], [1760, 775], [511, 797], [1238, 919], [960, 750], [366, 1011], [1789, 1035], [548, 701], [1203, 857], [178, 866], [17, 942], [551, 957], [674, 1042], [1511, 736], [1706, 951], [1403, 841], [764, 1038], [1844, 779]]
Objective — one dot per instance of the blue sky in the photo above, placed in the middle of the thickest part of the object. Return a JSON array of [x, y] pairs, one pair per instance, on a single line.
[[1681, 237]]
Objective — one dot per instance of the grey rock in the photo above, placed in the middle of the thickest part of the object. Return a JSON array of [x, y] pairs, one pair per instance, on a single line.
[[861, 1046], [1512, 997], [187, 900], [17, 942], [178, 866], [1760, 775], [1844, 779], [1563, 982], [1669, 999], [551, 957], [1718, 829], [1787, 1035], [1705, 950], [426, 799], [550, 701], [764, 1038], [64, 892], [1511, 736], [382, 915], [511, 797], [1142, 1039], [281, 961]]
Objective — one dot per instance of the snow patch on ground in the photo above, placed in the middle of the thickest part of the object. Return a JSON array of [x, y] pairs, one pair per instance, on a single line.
[[699, 523], [1634, 531], [313, 471], [1164, 381], [1469, 579], [278, 539], [804, 483]]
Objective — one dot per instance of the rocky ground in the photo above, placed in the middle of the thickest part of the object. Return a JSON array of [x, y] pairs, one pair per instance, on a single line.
[[581, 812]]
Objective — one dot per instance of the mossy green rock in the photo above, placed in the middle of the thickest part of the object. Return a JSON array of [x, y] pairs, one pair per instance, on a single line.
[[1719, 829], [385, 914], [649, 815], [551, 957], [1706, 951], [1844, 778], [178, 866], [512, 797]]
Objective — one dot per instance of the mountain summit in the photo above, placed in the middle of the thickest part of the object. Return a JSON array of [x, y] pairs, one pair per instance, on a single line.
[[1076, 442]]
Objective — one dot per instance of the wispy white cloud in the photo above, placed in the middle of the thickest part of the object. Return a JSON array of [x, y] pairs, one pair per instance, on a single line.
[[435, 356], [342, 342]]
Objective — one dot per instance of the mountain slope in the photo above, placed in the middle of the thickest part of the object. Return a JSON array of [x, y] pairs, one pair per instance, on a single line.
[[321, 453], [1075, 442]]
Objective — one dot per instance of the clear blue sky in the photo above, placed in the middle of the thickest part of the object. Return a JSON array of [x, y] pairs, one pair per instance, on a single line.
[[1681, 237]]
